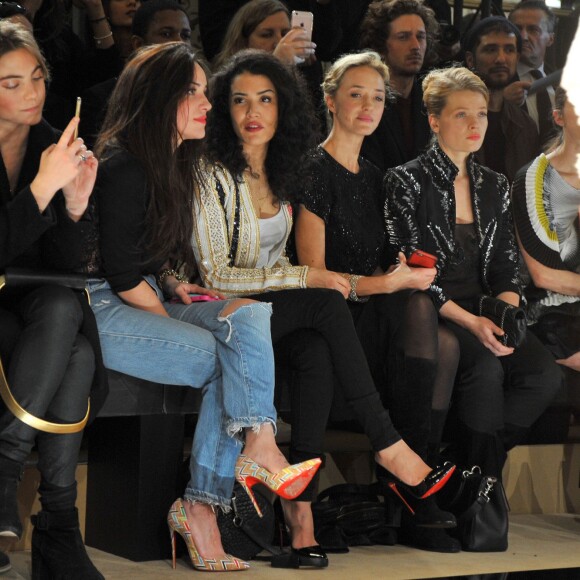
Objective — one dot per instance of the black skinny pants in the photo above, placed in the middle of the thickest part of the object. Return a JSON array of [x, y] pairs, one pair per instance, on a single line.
[[497, 399], [326, 312], [50, 374]]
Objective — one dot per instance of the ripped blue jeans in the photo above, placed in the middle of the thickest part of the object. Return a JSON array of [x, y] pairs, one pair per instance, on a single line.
[[230, 358]]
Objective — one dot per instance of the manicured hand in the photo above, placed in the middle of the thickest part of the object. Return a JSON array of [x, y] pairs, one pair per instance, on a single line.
[[182, 290], [60, 165], [319, 278], [487, 332], [403, 277], [294, 47]]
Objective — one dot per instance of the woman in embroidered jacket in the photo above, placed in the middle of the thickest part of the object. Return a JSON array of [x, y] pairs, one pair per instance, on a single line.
[[445, 203], [148, 153], [258, 133]]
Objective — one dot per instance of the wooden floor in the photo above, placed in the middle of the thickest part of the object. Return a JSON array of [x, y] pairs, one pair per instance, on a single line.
[[535, 542], [541, 481]]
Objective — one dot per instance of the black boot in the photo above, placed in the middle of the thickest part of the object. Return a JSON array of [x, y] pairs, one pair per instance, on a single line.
[[58, 552], [10, 476], [430, 539]]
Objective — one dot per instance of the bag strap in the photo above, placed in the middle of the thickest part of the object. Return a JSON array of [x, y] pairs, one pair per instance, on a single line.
[[236, 229], [33, 421], [11, 403]]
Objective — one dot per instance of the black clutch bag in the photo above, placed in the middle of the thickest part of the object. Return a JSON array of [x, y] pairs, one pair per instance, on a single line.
[[19, 277], [511, 319]]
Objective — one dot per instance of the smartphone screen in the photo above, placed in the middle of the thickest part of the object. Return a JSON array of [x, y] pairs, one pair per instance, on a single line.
[[303, 20]]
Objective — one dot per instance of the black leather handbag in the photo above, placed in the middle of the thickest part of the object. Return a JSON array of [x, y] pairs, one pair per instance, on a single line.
[[244, 533], [352, 515], [511, 319], [481, 508]]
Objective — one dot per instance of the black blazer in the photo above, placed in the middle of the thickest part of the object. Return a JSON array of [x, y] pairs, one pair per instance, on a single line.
[[420, 214], [386, 146], [29, 238]]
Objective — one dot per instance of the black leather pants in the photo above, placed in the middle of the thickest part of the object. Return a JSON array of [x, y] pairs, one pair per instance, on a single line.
[[50, 374]]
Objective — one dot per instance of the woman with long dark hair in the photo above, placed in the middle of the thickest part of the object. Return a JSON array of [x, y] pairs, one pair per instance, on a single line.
[[148, 149], [257, 136], [45, 182]]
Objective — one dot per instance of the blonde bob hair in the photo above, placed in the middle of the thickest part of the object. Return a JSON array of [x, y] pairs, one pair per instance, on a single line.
[[339, 68], [440, 83], [16, 37]]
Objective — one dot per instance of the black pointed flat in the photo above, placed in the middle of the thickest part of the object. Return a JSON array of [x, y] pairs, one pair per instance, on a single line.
[[312, 556]]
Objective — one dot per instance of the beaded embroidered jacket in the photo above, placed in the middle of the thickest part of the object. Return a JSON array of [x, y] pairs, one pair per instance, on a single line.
[[218, 227], [420, 214]]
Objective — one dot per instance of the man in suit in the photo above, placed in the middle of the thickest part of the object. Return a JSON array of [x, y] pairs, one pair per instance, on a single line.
[[401, 31], [536, 23], [492, 50]]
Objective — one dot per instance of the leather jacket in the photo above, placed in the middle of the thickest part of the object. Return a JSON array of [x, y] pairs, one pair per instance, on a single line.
[[420, 214]]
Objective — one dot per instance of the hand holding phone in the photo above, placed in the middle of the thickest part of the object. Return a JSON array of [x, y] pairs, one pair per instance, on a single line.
[[77, 114], [195, 298], [421, 259], [297, 46], [304, 21]]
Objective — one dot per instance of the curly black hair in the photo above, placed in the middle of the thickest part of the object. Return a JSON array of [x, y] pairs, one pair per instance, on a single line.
[[295, 133], [375, 27]]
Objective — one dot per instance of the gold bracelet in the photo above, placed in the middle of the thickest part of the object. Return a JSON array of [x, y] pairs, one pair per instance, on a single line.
[[164, 274]]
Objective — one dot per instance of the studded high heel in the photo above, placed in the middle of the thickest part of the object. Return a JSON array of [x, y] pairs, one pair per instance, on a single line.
[[432, 483], [248, 473], [177, 522]]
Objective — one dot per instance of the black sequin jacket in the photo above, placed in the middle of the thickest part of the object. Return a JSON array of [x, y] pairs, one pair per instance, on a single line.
[[420, 214]]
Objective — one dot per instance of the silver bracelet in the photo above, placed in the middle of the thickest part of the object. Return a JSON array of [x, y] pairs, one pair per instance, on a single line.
[[353, 296], [99, 39]]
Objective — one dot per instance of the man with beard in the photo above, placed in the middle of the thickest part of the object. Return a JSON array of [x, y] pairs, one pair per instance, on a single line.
[[401, 31], [536, 23], [492, 50]]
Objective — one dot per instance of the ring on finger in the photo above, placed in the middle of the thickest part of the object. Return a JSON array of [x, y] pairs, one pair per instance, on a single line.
[[82, 157]]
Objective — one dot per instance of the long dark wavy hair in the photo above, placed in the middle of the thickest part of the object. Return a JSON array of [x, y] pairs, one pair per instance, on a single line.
[[295, 133], [142, 119]]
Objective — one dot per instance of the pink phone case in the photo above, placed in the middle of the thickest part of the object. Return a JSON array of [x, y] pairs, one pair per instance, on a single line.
[[195, 298]]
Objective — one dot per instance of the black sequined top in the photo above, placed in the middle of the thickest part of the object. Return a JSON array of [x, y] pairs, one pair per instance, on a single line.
[[462, 281], [351, 206]]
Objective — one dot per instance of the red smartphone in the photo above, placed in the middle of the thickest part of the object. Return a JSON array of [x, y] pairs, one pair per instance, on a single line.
[[195, 298], [421, 259]]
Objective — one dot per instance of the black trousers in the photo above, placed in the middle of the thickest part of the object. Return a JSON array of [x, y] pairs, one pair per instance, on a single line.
[[497, 399], [50, 373], [327, 313]]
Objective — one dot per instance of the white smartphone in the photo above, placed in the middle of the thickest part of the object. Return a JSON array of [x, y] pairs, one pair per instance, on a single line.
[[303, 20]]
